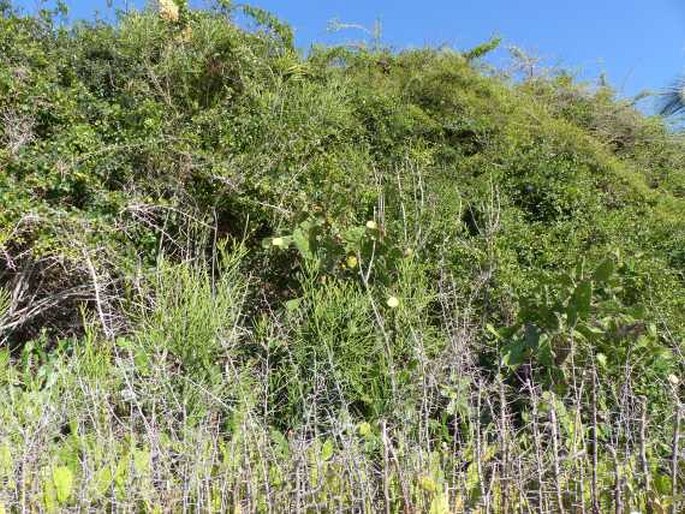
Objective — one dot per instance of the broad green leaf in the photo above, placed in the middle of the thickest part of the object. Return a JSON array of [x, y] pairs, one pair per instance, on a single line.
[[440, 504], [472, 478], [514, 354], [280, 443], [103, 480], [364, 429], [662, 483], [141, 462], [532, 337], [302, 239], [6, 465], [327, 450], [63, 480], [121, 475], [428, 484], [544, 351], [293, 305], [604, 271], [579, 305], [124, 344], [353, 236]]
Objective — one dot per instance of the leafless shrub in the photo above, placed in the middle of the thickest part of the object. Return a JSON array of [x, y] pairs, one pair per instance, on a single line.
[[17, 131]]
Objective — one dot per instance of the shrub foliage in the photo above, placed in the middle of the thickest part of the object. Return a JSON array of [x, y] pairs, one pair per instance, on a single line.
[[235, 277]]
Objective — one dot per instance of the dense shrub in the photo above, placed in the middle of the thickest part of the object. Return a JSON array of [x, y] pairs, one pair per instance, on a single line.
[[233, 276]]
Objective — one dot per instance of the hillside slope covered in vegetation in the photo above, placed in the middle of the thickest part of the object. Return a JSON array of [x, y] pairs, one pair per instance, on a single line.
[[233, 278]]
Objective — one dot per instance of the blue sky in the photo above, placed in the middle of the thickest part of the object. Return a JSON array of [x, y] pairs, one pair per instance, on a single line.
[[639, 44]]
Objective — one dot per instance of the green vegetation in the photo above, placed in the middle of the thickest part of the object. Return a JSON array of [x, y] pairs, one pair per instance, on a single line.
[[233, 278]]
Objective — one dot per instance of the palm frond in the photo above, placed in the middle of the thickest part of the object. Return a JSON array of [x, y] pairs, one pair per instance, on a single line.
[[673, 99]]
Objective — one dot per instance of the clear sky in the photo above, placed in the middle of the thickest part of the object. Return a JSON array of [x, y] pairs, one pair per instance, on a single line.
[[639, 44]]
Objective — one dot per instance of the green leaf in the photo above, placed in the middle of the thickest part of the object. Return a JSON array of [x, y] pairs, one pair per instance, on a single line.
[[440, 504], [601, 359], [293, 305], [364, 429], [428, 484], [514, 354], [353, 236], [493, 331], [327, 450], [662, 483], [280, 443], [473, 480], [532, 336], [124, 344], [6, 462], [63, 480], [103, 479], [545, 355], [302, 240], [579, 305], [604, 271], [121, 474], [141, 462]]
